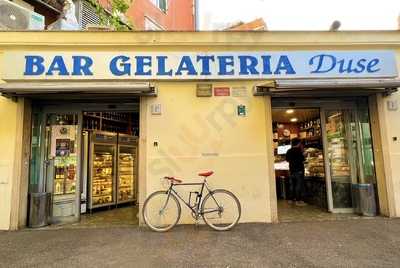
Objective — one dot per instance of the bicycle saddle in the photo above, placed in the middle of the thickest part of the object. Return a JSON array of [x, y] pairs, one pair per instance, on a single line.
[[206, 174]]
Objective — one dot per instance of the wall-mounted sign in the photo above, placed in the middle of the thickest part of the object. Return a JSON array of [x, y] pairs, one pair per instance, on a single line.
[[63, 140], [204, 90], [222, 91], [241, 110], [239, 92], [201, 65]]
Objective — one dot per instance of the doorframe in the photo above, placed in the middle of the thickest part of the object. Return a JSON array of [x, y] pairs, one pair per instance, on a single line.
[[328, 179], [43, 183], [340, 105], [63, 107], [322, 105]]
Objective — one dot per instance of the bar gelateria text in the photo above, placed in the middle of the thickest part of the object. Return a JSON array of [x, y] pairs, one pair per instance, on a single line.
[[237, 65]]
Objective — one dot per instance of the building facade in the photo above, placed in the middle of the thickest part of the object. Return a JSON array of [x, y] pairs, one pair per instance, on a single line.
[[163, 15], [204, 101], [144, 15]]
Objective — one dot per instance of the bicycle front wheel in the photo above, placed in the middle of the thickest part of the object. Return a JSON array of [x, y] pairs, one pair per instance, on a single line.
[[161, 211], [221, 210]]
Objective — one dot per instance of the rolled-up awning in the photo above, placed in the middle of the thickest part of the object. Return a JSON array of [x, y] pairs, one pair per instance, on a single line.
[[311, 87], [34, 88]]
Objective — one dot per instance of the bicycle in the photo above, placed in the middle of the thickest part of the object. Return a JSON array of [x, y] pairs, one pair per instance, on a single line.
[[220, 209]]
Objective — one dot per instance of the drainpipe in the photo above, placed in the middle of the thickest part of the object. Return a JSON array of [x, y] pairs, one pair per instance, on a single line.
[[398, 23], [196, 15]]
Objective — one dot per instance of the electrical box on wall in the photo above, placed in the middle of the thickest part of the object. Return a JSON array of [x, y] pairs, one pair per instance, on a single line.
[[392, 105], [156, 109]]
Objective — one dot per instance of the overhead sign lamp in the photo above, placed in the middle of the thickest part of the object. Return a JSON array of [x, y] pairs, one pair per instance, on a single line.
[[331, 86], [335, 26]]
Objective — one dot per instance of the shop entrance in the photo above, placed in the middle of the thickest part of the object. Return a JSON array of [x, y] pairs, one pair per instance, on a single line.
[[337, 146], [85, 156]]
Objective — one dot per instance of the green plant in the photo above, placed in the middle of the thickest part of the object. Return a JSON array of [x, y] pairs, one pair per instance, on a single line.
[[112, 17]]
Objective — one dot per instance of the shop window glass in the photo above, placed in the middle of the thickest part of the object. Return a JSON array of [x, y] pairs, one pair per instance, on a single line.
[[35, 164], [366, 152]]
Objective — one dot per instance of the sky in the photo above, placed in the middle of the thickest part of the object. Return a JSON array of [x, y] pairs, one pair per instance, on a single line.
[[302, 14]]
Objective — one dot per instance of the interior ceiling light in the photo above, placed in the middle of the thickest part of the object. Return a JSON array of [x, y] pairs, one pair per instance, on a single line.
[[289, 111], [293, 119]]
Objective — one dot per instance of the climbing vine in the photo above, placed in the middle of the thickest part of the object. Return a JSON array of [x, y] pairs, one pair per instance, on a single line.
[[112, 17]]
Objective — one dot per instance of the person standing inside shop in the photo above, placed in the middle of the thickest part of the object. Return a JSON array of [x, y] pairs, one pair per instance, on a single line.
[[295, 157]]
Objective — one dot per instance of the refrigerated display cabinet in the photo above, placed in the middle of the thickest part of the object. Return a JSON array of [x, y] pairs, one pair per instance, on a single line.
[[127, 168], [102, 171]]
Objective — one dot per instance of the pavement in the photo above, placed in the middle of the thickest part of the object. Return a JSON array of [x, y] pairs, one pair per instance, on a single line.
[[346, 243]]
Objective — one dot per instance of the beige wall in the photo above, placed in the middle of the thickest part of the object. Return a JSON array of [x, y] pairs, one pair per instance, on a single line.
[[198, 134], [8, 130], [390, 130]]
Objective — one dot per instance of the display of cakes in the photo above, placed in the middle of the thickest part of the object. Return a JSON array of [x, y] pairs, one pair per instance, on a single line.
[[126, 176], [102, 191]]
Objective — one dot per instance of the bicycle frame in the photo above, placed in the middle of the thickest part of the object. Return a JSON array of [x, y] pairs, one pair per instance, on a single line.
[[196, 209]]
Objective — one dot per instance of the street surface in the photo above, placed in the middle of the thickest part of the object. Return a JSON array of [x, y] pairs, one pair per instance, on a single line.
[[346, 243]]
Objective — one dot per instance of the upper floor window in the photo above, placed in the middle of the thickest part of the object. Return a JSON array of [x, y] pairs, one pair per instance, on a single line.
[[161, 4]]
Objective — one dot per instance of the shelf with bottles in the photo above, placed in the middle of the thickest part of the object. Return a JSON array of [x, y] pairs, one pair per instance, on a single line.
[[116, 122], [109, 116], [64, 178], [310, 129], [59, 187]]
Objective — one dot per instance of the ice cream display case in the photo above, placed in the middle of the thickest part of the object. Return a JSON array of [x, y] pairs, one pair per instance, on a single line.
[[102, 169], [127, 168]]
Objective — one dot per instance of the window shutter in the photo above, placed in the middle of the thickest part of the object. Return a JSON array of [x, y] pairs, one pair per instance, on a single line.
[[88, 15]]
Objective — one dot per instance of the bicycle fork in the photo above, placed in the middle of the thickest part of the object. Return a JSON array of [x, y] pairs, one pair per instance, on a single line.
[[166, 203]]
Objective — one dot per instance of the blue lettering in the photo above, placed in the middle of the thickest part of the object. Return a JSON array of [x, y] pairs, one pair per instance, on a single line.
[[360, 66], [57, 65], [371, 65], [266, 64], [161, 62], [248, 65], [224, 62], [34, 65], [118, 62], [205, 64], [284, 65], [141, 63], [342, 68], [186, 64], [321, 62], [82, 65]]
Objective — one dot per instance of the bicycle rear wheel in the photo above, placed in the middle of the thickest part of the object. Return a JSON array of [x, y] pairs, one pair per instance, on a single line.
[[161, 211], [221, 210]]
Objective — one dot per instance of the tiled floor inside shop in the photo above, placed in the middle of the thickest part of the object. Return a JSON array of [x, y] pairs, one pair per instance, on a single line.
[[292, 213], [113, 217]]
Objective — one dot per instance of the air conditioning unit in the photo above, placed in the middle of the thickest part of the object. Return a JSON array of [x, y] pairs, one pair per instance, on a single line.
[[15, 17]]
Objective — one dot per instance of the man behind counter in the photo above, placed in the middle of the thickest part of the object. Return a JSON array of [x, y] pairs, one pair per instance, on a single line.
[[295, 157]]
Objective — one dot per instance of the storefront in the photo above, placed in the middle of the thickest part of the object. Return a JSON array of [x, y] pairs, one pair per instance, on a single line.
[[188, 102]]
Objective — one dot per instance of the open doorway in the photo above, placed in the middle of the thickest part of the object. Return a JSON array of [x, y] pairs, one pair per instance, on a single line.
[[109, 168], [303, 125], [85, 158], [339, 169]]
